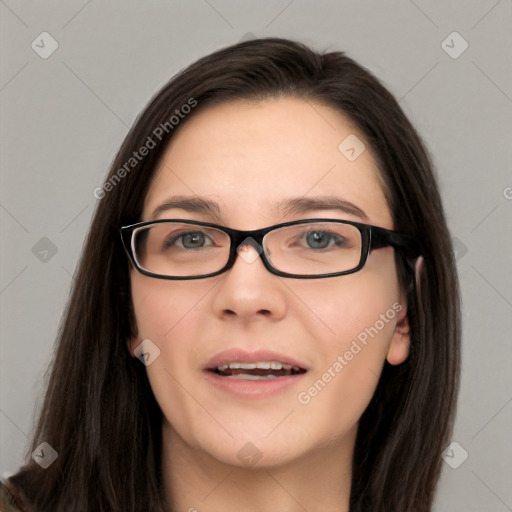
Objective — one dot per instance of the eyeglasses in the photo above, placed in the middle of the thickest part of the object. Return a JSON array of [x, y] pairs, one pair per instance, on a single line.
[[302, 249]]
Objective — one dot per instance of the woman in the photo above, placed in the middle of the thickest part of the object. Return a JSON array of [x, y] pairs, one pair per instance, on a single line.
[[266, 312]]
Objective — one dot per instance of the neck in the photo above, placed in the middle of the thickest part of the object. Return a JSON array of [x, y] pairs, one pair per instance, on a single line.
[[196, 482]]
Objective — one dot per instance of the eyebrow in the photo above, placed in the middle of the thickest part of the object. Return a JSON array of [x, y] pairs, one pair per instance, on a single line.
[[292, 206], [190, 204], [300, 205]]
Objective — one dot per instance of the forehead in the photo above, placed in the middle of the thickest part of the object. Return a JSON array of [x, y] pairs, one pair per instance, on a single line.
[[251, 158]]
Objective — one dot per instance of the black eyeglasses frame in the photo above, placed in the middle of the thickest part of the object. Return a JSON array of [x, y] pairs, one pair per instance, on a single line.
[[373, 237]]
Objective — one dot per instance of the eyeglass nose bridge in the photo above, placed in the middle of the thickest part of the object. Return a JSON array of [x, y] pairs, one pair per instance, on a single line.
[[254, 239]]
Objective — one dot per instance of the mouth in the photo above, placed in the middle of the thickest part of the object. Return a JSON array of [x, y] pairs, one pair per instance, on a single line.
[[259, 370], [254, 374]]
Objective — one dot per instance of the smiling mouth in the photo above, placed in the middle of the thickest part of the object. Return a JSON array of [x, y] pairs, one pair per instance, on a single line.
[[257, 371]]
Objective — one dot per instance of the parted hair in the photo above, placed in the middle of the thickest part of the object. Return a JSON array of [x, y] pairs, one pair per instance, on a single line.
[[99, 412]]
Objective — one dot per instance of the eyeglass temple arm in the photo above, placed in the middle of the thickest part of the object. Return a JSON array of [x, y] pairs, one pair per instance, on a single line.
[[383, 238]]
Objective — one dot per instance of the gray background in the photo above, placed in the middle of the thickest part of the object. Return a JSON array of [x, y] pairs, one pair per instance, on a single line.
[[64, 117]]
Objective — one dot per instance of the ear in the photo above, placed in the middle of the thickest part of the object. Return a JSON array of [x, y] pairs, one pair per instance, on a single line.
[[132, 344], [134, 341], [398, 350], [418, 268]]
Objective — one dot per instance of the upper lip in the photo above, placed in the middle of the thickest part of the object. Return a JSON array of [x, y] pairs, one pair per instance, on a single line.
[[232, 355]]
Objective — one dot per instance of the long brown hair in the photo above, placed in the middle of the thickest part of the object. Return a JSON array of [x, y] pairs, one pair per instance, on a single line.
[[99, 412]]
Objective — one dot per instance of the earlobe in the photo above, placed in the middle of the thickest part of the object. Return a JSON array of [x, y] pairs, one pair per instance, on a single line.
[[131, 345], [133, 341]]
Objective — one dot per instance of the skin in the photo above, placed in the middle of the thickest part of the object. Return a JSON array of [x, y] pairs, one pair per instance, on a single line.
[[248, 157]]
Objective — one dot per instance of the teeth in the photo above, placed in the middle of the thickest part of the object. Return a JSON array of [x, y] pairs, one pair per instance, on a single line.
[[245, 376], [263, 365]]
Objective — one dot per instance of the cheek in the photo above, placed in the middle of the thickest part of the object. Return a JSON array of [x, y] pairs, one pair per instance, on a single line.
[[338, 310], [169, 314], [161, 306], [358, 314]]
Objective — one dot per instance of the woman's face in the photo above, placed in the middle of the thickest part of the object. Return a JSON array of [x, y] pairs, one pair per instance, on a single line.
[[248, 159]]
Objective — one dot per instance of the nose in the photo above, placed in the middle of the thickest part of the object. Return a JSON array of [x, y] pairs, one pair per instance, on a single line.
[[248, 291]]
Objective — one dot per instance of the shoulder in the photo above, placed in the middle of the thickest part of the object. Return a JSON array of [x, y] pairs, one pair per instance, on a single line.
[[10, 500]]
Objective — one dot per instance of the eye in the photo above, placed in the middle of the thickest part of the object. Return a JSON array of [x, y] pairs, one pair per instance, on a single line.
[[188, 240], [322, 239]]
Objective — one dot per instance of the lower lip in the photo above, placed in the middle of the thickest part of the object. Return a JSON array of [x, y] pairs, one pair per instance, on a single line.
[[251, 389]]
